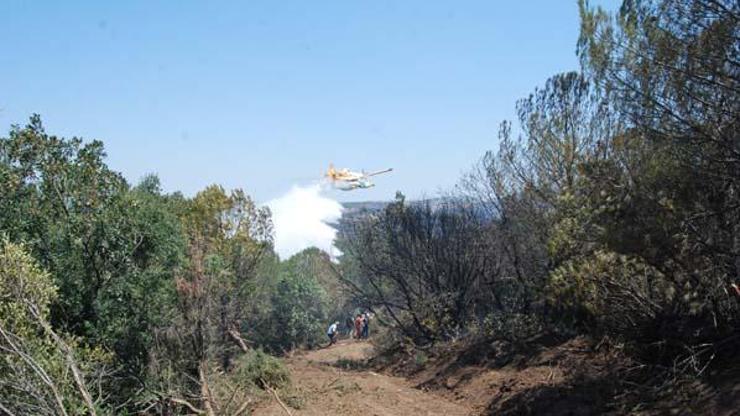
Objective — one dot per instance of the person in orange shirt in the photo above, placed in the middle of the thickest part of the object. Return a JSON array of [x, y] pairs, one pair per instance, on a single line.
[[358, 326]]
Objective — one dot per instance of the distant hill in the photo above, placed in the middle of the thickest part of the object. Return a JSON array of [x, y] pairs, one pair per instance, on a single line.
[[354, 211], [354, 208]]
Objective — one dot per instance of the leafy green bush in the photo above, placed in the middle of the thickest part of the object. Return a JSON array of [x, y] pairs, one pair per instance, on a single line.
[[291, 308], [258, 367], [36, 363], [420, 358]]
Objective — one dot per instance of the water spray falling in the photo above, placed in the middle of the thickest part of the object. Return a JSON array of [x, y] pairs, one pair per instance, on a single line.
[[301, 219]]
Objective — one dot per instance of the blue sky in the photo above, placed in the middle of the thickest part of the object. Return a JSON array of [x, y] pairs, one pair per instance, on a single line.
[[265, 94]]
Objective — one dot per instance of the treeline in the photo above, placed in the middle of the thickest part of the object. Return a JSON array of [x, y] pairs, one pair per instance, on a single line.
[[610, 208], [119, 299]]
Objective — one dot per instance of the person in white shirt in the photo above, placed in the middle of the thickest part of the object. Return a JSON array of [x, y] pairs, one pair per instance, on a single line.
[[331, 332]]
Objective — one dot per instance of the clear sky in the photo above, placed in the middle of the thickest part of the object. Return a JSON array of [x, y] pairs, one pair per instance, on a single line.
[[265, 94]]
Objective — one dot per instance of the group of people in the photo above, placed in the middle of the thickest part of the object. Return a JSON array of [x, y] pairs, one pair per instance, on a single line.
[[357, 327], [361, 326]]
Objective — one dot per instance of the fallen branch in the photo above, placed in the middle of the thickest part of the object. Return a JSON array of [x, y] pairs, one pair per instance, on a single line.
[[243, 408], [205, 391], [188, 405], [277, 398]]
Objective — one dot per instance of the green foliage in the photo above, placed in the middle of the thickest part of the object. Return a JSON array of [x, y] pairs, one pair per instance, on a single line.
[[420, 359], [620, 294], [613, 208], [197, 349], [35, 363], [660, 214], [299, 305], [109, 249], [258, 368], [22, 283]]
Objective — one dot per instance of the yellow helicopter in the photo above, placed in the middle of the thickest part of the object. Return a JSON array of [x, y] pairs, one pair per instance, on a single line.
[[347, 180]]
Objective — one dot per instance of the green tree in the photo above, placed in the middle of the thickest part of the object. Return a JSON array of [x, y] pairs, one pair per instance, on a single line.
[[299, 304], [110, 250], [41, 372], [667, 197], [228, 237]]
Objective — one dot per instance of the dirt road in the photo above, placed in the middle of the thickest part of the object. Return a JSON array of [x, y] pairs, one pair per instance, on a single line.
[[325, 389]]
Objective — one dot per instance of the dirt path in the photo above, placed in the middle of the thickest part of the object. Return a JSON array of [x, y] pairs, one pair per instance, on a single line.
[[326, 389]]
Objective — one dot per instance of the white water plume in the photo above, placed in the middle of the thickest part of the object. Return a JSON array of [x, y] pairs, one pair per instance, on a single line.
[[301, 220]]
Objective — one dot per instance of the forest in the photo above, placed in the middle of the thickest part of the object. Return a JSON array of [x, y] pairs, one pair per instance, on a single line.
[[609, 209]]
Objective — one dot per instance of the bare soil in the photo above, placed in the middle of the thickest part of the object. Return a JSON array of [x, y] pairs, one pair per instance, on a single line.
[[552, 376], [545, 376], [329, 382]]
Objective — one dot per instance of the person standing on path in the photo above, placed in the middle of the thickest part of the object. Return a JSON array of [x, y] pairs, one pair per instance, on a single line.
[[358, 326], [331, 332], [365, 325]]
